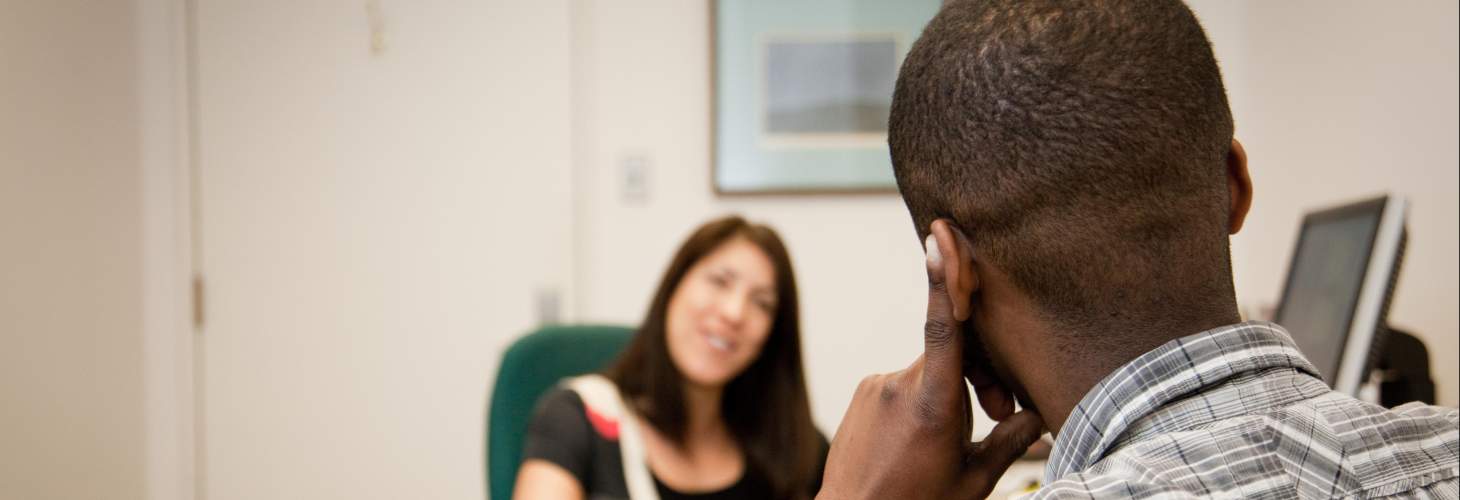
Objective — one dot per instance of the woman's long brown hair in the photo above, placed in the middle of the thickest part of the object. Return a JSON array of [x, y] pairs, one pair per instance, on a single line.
[[766, 406]]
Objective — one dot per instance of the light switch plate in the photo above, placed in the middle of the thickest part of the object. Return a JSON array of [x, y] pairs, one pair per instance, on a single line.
[[634, 178]]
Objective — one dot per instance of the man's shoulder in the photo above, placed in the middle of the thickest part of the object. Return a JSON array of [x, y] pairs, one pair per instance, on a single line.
[[1425, 411], [1331, 445], [1087, 485]]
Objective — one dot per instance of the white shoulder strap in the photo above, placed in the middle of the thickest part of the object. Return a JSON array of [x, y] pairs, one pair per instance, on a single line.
[[603, 397]]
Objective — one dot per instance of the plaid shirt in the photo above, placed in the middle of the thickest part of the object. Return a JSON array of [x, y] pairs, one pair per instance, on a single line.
[[1238, 412]]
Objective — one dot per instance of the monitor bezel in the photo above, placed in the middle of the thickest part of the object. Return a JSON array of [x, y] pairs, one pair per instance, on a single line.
[[1366, 317]]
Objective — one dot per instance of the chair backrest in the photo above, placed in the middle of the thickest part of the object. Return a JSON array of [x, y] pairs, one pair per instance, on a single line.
[[530, 367]]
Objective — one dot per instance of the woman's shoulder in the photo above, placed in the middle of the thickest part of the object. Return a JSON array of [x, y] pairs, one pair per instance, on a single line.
[[559, 416], [563, 433], [564, 409], [560, 399]]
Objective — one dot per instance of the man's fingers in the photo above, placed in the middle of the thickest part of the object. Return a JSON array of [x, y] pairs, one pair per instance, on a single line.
[[993, 397], [995, 400], [942, 333], [1005, 444]]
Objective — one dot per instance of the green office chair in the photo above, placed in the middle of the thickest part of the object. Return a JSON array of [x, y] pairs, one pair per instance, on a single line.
[[530, 367]]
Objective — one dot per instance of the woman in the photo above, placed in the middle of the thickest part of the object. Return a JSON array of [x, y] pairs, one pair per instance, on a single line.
[[707, 401]]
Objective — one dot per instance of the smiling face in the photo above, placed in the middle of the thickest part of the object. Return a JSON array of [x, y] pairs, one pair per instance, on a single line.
[[721, 313]]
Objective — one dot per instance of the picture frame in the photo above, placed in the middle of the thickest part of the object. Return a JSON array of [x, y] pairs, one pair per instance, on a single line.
[[801, 90]]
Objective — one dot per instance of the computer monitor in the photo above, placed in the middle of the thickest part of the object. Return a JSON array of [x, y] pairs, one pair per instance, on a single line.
[[1339, 285]]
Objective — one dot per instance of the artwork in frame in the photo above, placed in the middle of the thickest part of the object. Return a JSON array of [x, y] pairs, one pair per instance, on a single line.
[[802, 89]]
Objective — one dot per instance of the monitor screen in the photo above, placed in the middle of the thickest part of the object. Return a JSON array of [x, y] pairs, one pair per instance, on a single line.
[[1324, 282]]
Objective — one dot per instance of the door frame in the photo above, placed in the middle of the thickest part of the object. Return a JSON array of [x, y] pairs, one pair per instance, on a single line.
[[166, 152]]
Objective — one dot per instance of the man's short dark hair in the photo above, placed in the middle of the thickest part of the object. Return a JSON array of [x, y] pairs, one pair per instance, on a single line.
[[1081, 145]]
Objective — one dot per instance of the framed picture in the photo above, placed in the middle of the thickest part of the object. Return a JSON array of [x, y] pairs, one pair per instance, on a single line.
[[802, 89]]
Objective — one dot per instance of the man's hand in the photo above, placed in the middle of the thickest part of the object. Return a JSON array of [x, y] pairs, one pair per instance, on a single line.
[[907, 434]]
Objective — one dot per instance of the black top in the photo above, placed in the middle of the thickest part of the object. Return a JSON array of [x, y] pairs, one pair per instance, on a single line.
[[561, 432]]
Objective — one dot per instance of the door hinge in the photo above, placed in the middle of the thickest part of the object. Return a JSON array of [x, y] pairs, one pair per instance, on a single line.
[[197, 303]]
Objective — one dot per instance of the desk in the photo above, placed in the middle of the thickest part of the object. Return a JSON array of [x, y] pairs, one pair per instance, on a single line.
[[1019, 475]]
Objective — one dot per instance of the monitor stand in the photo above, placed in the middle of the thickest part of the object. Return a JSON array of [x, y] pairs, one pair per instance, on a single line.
[[1402, 373]]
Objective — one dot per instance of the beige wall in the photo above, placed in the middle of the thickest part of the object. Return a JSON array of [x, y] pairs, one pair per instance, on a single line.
[[1334, 101], [1343, 100], [641, 87], [70, 252], [375, 220]]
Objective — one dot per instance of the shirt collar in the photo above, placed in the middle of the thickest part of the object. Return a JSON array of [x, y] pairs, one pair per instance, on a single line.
[[1174, 370]]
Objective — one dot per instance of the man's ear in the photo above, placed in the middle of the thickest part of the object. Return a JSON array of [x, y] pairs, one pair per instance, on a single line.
[[1239, 185], [958, 272]]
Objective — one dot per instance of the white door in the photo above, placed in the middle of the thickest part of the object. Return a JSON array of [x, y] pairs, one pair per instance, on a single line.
[[383, 192]]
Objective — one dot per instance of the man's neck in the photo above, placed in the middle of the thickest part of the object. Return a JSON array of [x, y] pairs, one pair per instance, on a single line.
[[1057, 392]]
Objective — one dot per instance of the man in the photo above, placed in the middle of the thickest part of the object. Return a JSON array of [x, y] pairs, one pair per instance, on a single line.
[[1071, 168]]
